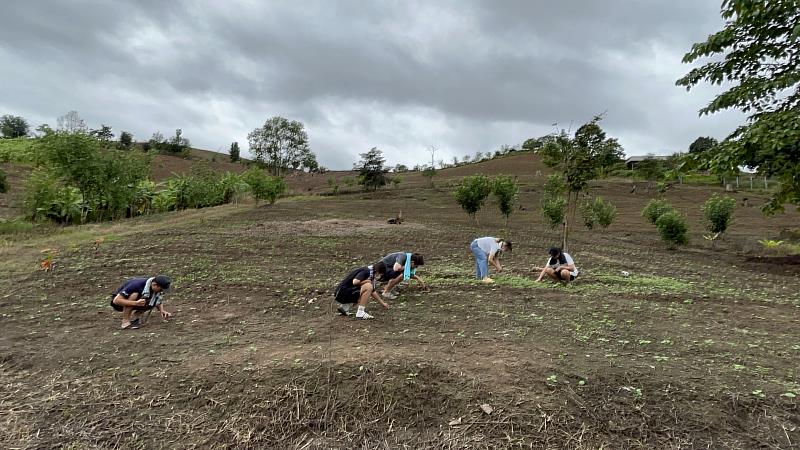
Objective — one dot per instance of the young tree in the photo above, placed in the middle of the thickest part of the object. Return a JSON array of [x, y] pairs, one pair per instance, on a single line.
[[234, 152], [400, 168], [263, 186], [655, 208], [13, 126], [759, 62], [718, 212], [554, 204], [506, 191], [125, 140], [673, 228], [598, 212], [472, 193], [577, 158], [72, 122], [178, 144], [103, 133], [372, 170], [280, 144]]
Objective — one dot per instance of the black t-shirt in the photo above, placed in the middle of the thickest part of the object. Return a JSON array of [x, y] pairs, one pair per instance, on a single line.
[[360, 274]]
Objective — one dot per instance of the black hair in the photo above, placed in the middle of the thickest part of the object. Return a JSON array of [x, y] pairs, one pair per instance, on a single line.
[[555, 251], [508, 245], [379, 267], [417, 259]]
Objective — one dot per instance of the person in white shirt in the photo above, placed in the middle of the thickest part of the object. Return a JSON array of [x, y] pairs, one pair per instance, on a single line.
[[559, 267], [487, 251]]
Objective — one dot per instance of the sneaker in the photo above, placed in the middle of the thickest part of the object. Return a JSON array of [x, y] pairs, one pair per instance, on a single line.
[[343, 309], [488, 280], [365, 316], [390, 295]]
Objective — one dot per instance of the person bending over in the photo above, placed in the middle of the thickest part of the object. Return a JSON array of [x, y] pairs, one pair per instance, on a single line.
[[357, 287], [400, 266], [487, 251]]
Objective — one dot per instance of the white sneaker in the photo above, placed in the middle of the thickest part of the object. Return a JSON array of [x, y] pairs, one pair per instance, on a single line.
[[365, 316], [390, 295]]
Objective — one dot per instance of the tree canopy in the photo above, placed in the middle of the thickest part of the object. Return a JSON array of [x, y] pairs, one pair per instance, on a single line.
[[757, 53], [372, 169], [281, 144], [13, 126]]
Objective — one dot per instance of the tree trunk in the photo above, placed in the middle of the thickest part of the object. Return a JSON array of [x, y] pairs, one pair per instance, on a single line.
[[566, 223]]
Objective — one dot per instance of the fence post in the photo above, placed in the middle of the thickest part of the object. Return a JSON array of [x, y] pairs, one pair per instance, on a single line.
[[765, 182]]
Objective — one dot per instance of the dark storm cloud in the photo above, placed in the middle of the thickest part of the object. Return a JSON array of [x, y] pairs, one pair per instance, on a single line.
[[464, 76]]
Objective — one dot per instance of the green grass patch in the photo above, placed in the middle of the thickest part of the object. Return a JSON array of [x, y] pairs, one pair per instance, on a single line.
[[15, 226]]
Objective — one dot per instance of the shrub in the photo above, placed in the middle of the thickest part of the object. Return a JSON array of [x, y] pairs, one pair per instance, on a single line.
[[718, 211], [506, 191], [553, 209], [472, 193], [40, 193], [3, 182], [672, 227], [598, 212], [654, 209], [233, 186], [263, 186]]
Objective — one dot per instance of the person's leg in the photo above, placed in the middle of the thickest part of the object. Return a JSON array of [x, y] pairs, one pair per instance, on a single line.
[[565, 276], [389, 286], [122, 301], [363, 299], [126, 316], [481, 263], [551, 273]]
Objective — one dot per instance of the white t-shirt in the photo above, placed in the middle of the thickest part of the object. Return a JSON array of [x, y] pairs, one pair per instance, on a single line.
[[574, 272], [488, 244]]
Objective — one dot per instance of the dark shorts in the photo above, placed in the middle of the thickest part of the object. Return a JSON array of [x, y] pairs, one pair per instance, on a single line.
[[391, 275], [120, 307], [348, 294], [558, 275]]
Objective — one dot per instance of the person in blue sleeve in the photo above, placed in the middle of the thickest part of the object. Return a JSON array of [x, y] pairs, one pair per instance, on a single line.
[[138, 295]]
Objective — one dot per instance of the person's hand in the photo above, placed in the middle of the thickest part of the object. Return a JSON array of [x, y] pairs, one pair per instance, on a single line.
[[386, 305], [166, 315], [140, 302]]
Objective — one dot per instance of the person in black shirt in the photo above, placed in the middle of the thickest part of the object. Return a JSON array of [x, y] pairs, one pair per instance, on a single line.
[[138, 295], [357, 287]]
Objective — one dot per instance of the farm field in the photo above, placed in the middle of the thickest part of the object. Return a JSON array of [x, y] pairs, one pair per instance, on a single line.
[[697, 348]]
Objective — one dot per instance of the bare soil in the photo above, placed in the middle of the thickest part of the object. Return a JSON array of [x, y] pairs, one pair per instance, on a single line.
[[696, 348]]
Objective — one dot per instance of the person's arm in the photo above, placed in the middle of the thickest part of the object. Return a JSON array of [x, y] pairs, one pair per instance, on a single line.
[[398, 267], [132, 300], [164, 313], [541, 274], [419, 280], [495, 262], [377, 297]]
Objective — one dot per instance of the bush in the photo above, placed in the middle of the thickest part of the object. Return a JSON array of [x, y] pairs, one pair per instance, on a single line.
[[3, 182], [506, 191], [672, 227], [263, 186], [598, 212], [655, 209], [553, 209], [233, 186], [472, 193], [718, 212], [40, 194]]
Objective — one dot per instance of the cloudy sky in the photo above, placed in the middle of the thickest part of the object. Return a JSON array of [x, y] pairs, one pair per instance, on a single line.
[[463, 76]]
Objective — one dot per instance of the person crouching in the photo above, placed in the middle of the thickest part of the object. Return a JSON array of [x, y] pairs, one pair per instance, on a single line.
[[357, 287]]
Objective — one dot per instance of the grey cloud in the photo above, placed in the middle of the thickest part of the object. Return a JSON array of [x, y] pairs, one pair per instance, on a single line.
[[487, 73]]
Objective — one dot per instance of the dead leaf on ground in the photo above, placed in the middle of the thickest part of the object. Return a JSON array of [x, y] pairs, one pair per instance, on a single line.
[[486, 408]]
